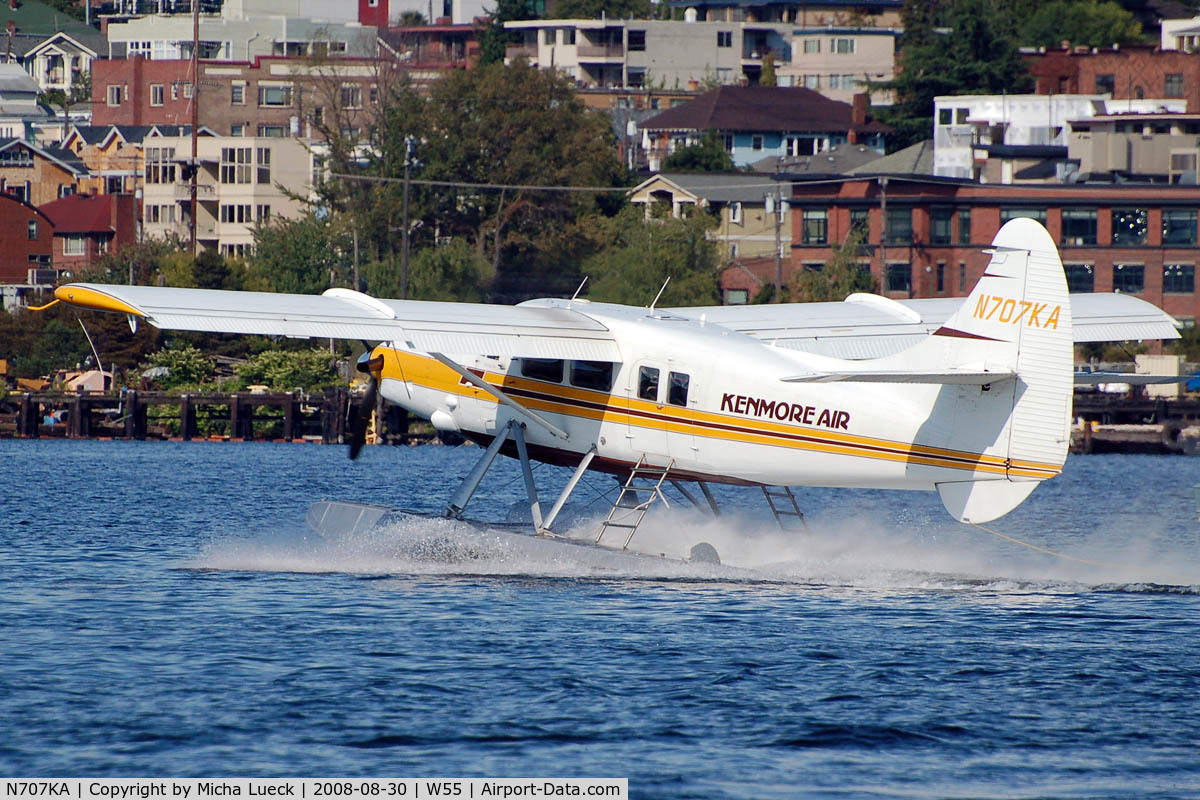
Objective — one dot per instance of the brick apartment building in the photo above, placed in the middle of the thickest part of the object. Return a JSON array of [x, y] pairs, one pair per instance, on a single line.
[[272, 96], [1127, 72], [26, 236], [86, 226], [1138, 239]]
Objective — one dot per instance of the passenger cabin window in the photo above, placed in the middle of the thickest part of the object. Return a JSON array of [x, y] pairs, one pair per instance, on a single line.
[[542, 369], [595, 375], [677, 391], [648, 383]]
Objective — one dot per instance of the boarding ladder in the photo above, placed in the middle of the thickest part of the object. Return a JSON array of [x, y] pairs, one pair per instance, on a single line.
[[783, 505], [642, 478]]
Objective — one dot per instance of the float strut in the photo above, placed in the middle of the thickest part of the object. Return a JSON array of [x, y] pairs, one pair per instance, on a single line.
[[535, 508], [462, 495], [566, 492]]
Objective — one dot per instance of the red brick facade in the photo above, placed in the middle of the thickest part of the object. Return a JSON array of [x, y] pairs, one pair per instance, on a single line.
[[271, 96], [26, 235], [1130, 72], [88, 226], [938, 259]]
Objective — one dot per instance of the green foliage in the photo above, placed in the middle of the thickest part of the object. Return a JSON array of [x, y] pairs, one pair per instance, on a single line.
[[186, 367], [145, 261], [451, 271], [287, 370], [1081, 22], [707, 155], [635, 256], [1188, 343], [493, 38], [612, 9], [841, 275], [298, 256], [211, 270], [978, 56], [768, 71]]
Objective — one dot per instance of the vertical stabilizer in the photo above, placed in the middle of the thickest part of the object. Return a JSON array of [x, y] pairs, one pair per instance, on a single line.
[[1019, 313]]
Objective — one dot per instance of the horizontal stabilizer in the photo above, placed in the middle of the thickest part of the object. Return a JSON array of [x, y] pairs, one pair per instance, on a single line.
[[948, 377]]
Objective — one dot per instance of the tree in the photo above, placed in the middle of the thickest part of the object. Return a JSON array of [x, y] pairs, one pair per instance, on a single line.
[[285, 370], [493, 38], [299, 256], [841, 276], [452, 271], [179, 367], [976, 57], [768, 71], [612, 9], [1081, 22], [707, 155], [635, 256]]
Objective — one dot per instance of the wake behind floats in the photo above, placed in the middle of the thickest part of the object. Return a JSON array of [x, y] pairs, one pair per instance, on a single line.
[[971, 398]]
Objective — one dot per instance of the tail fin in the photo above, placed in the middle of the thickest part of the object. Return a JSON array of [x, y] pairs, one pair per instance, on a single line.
[[1018, 316]]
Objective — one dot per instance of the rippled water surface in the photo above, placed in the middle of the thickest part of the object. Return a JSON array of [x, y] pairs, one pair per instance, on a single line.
[[164, 611]]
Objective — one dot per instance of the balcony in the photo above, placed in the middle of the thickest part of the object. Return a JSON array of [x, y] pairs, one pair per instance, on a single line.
[[592, 52], [528, 51], [205, 192]]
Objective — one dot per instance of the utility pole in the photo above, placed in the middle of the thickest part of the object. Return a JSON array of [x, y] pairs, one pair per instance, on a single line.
[[410, 143], [194, 165], [775, 206]]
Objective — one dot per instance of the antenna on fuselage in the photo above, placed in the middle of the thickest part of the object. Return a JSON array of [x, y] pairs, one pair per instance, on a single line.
[[660, 291], [575, 296]]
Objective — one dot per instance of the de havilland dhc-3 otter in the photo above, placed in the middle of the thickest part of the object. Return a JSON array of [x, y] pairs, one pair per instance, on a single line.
[[969, 397]]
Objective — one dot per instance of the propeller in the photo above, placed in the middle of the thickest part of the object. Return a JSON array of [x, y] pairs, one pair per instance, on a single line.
[[358, 423]]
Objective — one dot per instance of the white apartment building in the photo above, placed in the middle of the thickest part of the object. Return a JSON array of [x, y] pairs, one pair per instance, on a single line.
[[242, 181], [963, 122], [1180, 34]]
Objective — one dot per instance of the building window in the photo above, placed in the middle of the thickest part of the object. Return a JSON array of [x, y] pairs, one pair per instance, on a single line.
[[899, 278], [735, 213], [235, 165], [262, 213], [899, 228], [351, 96], [964, 226], [274, 95], [727, 142], [1105, 84], [860, 220], [962, 277], [637, 40], [812, 46], [1173, 84], [272, 131], [157, 95], [1129, 278], [569, 33], [549, 36], [264, 165], [1129, 226], [1036, 214], [114, 95], [237, 130], [160, 165], [737, 297], [1179, 278], [945, 116], [724, 38], [1078, 226], [1080, 277], [812, 82], [841, 46], [1179, 226], [816, 222], [756, 142], [941, 277], [73, 245], [237, 94], [939, 225], [31, 230]]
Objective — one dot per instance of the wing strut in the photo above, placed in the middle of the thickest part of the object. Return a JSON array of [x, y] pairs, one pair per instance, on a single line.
[[503, 397]]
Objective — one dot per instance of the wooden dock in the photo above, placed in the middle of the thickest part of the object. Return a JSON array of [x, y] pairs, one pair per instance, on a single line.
[[227, 416]]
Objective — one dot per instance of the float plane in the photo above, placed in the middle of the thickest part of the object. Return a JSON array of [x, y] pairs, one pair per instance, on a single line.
[[967, 397]]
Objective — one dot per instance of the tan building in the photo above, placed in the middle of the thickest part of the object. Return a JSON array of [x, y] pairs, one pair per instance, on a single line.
[[747, 229], [242, 181], [39, 174], [1155, 146], [838, 62]]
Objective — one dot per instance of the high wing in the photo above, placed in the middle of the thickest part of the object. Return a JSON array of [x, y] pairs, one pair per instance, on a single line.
[[431, 327], [871, 326]]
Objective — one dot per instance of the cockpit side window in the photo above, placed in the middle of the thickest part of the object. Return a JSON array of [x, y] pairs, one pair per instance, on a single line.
[[542, 369], [597, 375], [677, 390], [648, 383]]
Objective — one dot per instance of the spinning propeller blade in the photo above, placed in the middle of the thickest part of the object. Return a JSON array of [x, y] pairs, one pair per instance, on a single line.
[[358, 424]]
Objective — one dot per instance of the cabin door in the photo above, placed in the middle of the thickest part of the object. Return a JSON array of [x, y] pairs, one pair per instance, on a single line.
[[646, 431]]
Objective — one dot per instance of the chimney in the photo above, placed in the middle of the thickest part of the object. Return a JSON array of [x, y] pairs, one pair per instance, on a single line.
[[858, 109]]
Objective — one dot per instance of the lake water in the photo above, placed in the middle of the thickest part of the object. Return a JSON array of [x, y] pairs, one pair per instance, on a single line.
[[165, 612]]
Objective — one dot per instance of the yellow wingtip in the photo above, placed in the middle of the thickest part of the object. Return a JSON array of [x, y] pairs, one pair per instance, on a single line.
[[85, 297]]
